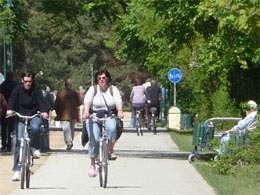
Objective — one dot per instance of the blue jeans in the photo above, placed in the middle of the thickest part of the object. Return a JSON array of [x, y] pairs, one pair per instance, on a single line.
[[225, 139], [68, 131], [93, 129], [35, 125]]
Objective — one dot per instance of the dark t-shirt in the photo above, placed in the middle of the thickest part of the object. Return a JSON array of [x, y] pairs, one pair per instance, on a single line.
[[153, 93]]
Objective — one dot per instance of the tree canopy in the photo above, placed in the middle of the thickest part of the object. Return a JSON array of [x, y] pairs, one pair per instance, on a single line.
[[215, 43]]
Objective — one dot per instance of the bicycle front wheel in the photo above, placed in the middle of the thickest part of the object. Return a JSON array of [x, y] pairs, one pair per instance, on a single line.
[[23, 158], [28, 166], [103, 167]]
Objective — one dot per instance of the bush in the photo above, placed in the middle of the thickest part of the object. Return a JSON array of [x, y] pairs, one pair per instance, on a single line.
[[248, 154]]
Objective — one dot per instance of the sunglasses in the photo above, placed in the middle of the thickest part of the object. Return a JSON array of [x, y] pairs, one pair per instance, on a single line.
[[27, 81], [102, 78]]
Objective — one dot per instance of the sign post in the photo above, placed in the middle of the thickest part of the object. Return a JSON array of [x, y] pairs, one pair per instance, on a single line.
[[174, 76], [174, 114]]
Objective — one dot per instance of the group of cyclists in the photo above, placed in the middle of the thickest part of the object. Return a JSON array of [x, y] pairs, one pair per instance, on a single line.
[[102, 99], [145, 96]]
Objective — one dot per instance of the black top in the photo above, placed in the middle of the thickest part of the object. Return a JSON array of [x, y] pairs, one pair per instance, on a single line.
[[7, 87], [27, 102], [154, 93]]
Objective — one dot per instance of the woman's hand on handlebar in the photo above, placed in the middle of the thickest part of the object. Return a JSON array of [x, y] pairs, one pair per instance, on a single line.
[[9, 113], [85, 115], [45, 115], [120, 114]]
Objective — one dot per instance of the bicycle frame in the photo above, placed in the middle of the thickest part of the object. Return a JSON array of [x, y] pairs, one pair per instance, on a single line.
[[102, 161], [25, 155]]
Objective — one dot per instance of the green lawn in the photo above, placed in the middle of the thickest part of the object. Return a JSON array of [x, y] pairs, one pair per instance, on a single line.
[[183, 140], [245, 182]]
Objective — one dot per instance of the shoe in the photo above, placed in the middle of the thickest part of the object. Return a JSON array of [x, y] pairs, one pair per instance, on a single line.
[[92, 172], [69, 147], [112, 156], [36, 154], [4, 149], [16, 176]]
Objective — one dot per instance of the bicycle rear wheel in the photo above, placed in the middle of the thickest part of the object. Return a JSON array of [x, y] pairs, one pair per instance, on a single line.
[[140, 126], [103, 167], [154, 126], [23, 163], [137, 126]]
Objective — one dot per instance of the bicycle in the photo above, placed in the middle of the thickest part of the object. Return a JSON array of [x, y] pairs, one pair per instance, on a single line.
[[25, 153], [102, 160], [152, 121], [138, 121]]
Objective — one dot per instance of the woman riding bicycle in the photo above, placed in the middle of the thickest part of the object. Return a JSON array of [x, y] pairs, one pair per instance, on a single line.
[[99, 100], [137, 97]]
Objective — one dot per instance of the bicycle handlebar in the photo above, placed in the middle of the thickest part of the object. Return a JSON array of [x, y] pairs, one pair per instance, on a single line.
[[93, 116], [24, 116]]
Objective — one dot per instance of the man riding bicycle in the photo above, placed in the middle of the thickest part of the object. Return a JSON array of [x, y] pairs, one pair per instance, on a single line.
[[153, 93], [26, 99]]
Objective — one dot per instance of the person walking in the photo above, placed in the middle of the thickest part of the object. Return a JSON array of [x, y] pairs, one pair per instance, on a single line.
[[3, 108], [67, 109], [6, 89], [101, 99], [26, 99]]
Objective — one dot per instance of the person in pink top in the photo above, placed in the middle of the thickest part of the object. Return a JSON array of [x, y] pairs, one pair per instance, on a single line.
[[137, 97]]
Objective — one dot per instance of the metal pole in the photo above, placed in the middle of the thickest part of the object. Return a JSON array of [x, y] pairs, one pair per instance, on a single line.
[[11, 54], [4, 53], [174, 103], [92, 73]]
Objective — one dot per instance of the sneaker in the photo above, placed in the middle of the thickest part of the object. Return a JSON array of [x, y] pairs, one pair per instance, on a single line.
[[92, 172], [69, 147], [112, 156], [16, 176], [36, 154]]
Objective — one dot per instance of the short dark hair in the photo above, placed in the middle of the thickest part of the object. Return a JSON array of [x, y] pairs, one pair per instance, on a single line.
[[27, 74], [67, 83], [105, 72]]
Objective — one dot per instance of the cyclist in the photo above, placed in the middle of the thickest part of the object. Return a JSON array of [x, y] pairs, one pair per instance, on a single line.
[[100, 101], [137, 97], [27, 100], [154, 96]]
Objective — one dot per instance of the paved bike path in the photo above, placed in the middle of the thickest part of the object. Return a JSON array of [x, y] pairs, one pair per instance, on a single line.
[[66, 173]]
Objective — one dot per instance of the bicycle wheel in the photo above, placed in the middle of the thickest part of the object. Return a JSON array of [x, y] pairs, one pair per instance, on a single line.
[[154, 126], [140, 126], [23, 163], [103, 168], [137, 126], [28, 166]]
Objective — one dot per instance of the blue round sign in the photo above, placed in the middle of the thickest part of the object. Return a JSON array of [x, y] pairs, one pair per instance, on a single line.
[[175, 75]]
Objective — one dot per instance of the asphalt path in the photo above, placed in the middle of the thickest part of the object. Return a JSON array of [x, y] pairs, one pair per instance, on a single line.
[[144, 166]]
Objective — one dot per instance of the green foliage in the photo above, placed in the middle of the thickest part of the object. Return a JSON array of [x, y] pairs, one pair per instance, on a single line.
[[239, 155], [222, 106], [206, 39]]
